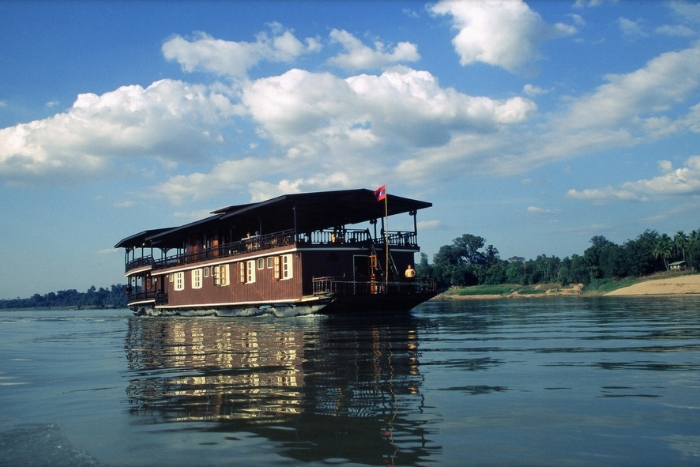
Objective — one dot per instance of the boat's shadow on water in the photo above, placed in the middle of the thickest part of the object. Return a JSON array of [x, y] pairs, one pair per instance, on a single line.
[[318, 388]]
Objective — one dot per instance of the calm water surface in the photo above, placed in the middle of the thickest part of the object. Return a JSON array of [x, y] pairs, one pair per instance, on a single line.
[[607, 381]]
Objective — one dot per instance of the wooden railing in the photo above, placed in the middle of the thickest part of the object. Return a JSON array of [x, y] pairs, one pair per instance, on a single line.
[[139, 262], [149, 295], [342, 286], [263, 242]]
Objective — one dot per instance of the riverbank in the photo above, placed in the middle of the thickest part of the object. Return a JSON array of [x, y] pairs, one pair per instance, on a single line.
[[658, 284], [679, 285]]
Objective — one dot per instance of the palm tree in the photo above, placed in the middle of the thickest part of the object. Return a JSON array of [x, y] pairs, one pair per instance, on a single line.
[[693, 247], [680, 242], [663, 248]]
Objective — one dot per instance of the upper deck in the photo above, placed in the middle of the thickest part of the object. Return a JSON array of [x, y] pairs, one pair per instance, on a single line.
[[307, 220], [360, 239]]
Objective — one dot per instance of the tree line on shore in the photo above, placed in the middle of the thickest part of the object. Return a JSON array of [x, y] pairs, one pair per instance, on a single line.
[[113, 297], [469, 261]]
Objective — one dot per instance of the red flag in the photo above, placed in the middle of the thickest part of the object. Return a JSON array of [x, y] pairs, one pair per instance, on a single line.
[[380, 193]]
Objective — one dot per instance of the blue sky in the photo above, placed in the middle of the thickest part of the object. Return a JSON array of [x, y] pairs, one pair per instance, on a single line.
[[535, 125]]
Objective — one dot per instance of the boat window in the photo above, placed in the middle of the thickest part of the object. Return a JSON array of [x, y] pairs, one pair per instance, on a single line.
[[250, 273], [221, 275], [179, 279], [270, 262], [197, 278], [261, 263], [286, 266], [278, 271]]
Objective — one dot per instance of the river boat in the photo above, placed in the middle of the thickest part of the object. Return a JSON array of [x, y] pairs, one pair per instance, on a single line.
[[296, 254]]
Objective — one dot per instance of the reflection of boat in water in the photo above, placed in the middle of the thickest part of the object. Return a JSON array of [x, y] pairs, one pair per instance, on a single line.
[[329, 389], [295, 254]]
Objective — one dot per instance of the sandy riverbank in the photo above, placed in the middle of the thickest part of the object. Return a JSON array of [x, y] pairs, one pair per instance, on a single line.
[[681, 285], [678, 285]]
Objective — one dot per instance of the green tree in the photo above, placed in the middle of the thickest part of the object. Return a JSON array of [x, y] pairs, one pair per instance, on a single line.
[[680, 243], [663, 249]]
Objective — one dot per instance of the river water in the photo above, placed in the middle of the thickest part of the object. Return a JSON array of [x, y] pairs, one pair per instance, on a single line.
[[580, 381]]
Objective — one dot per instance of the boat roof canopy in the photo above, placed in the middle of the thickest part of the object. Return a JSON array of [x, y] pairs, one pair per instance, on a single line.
[[140, 239], [307, 211]]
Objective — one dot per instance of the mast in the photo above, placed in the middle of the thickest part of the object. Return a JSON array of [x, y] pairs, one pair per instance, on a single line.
[[386, 244]]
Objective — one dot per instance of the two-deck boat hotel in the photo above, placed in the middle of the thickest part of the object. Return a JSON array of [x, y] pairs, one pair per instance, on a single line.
[[290, 255]]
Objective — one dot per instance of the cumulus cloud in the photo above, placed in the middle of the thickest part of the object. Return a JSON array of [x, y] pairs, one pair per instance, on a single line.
[[226, 176], [682, 181], [169, 120], [312, 113], [331, 132], [629, 109], [362, 57], [234, 59], [504, 33], [663, 82]]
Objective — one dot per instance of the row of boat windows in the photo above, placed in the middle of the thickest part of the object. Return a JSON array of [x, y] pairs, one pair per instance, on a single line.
[[247, 271]]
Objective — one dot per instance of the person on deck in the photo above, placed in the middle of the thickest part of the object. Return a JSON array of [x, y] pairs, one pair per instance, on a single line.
[[410, 273]]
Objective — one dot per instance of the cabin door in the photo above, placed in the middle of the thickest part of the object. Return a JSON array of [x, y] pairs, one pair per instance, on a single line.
[[362, 269]]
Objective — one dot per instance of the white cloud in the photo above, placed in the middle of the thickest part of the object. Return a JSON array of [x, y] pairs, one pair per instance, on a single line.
[[225, 177], [577, 19], [429, 225], [631, 28], [603, 195], [234, 59], [664, 82], [537, 210], [170, 120], [532, 90], [683, 181], [686, 11], [316, 113], [361, 57], [582, 3], [123, 204], [410, 13], [504, 33], [3, 104], [677, 30]]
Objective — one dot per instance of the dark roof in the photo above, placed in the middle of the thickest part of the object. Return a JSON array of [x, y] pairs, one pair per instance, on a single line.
[[139, 239], [308, 211]]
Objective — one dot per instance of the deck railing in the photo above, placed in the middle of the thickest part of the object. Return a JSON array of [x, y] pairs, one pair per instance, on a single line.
[[286, 237], [149, 295], [139, 262], [343, 286]]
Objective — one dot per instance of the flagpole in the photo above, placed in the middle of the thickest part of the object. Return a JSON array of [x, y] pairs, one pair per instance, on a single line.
[[386, 243]]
